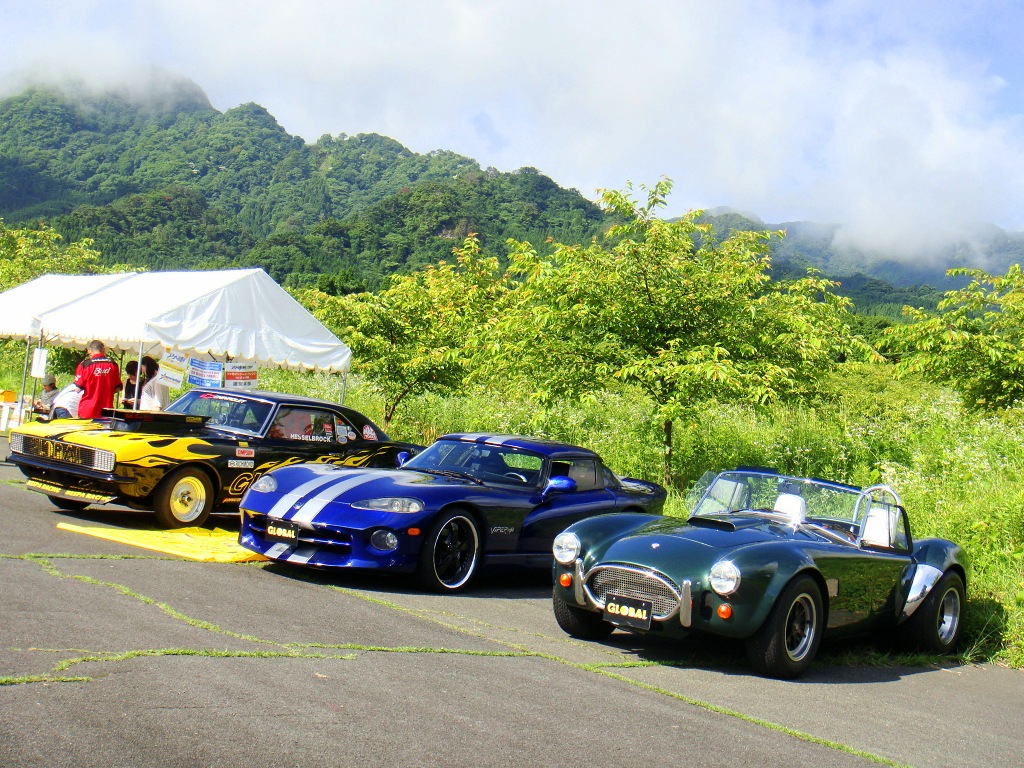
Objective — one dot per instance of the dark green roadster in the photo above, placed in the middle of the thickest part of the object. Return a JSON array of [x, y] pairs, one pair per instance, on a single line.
[[777, 561]]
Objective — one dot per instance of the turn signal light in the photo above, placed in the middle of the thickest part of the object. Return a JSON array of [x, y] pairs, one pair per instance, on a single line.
[[565, 580], [413, 531], [725, 611]]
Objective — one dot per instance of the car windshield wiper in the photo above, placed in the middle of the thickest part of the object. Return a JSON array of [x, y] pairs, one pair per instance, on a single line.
[[449, 473]]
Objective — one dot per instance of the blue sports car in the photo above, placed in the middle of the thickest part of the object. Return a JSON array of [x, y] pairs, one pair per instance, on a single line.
[[467, 500]]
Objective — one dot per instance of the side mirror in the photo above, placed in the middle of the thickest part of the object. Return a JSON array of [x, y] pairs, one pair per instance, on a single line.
[[559, 485], [401, 458]]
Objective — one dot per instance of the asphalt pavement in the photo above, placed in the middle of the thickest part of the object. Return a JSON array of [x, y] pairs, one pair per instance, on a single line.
[[112, 655]]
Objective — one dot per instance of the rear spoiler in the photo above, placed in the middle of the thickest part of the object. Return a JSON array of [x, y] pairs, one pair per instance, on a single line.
[[125, 420]]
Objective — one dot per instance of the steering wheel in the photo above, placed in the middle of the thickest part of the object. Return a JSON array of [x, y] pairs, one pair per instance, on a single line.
[[222, 418], [517, 476]]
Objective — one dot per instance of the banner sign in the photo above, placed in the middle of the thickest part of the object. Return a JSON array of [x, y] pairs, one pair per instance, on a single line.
[[39, 362], [173, 366], [205, 373], [240, 375]]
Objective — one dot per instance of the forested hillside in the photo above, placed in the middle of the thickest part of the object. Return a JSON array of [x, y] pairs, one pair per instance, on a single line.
[[165, 181], [170, 182]]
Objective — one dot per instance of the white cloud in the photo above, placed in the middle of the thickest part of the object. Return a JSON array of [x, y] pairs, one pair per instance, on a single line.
[[895, 119]]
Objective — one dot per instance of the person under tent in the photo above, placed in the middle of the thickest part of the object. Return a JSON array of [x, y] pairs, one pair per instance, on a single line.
[[155, 394]]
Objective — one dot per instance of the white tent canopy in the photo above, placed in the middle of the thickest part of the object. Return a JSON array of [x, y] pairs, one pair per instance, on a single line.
[[20, 306], [239, 314]]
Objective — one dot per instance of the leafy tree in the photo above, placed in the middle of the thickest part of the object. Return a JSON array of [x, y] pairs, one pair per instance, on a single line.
[[411, 337], [25, 254], [974, 341], [667, 307]]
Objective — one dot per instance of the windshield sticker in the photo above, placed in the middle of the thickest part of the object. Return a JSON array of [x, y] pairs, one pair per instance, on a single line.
[[368, 433], [225, 398]]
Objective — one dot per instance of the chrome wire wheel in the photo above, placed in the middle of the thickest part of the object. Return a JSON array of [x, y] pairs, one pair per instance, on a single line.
[[801, 625]]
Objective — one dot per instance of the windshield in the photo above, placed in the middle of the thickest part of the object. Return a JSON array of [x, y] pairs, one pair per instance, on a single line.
[[488, 463], [806, 498], [225, 411]]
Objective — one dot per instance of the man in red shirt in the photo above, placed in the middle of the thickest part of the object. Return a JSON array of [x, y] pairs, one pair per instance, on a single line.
[[99, 378]]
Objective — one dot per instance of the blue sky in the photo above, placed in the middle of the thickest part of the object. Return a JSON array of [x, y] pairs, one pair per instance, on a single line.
[[901, 121]]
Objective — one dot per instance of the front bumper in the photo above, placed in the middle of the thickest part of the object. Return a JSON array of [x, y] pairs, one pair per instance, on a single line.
[[672, 604], [330, 546], [76, 483]]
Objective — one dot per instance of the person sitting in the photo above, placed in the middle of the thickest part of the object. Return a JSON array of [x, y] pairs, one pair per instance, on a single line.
[[44, 403], [65, 404], [155, 394]]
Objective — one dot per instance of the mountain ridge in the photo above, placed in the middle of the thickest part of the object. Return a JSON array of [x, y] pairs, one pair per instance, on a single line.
[[158, 177]]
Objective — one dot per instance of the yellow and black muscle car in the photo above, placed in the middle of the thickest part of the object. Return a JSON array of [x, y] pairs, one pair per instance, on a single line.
[[196, 457]]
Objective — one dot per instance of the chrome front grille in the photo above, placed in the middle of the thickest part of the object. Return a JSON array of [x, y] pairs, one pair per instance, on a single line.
[[63, 453], [638, 583]]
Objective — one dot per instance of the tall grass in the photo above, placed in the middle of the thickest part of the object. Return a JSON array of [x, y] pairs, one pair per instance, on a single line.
[[961, 475]]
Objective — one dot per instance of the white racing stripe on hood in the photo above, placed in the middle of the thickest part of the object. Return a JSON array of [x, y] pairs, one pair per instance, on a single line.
[[313, 507], [285, 502]]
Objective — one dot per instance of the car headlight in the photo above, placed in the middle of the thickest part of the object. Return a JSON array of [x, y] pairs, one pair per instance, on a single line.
[[265, 484], [725, 577], [391, 504], [566, 547]]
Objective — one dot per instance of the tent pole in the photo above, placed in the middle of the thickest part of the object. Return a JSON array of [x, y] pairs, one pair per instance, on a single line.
[[20, 410], [344, 386], [138, 378]]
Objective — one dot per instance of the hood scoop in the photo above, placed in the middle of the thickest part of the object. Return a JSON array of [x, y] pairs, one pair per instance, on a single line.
[[714, 523]]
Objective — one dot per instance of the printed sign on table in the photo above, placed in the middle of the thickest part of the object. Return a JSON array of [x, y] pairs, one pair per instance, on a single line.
[[240, 375], [205, 373]]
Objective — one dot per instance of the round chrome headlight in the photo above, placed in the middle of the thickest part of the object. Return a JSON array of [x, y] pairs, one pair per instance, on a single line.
[[384, 540], [566, 547], [265, 484], [725, 577]]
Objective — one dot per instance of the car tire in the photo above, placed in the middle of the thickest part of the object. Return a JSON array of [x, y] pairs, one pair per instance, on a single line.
[[787, 642], [580, 623], [184, 498], [450, 555], [936, 624], [69, 505]]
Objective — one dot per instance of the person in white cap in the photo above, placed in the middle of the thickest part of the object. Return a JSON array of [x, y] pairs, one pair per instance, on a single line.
[[44, 402]]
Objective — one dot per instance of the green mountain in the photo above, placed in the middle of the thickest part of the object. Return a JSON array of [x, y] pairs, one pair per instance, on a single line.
[[167, 182], [159, 178]]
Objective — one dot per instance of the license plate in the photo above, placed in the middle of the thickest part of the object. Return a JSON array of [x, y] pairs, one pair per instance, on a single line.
[[628, 611], [283, 531]]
